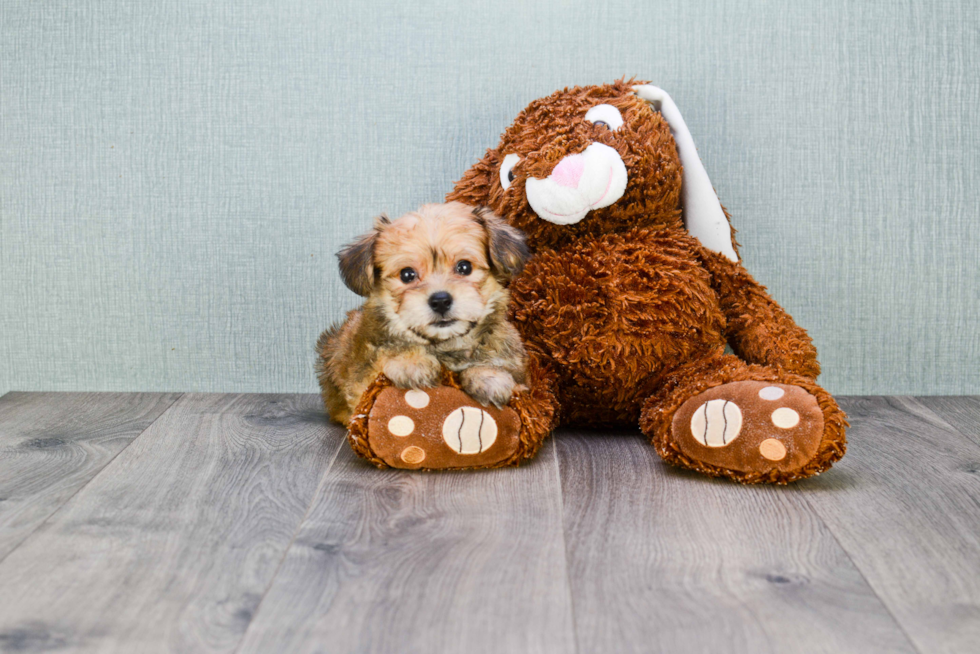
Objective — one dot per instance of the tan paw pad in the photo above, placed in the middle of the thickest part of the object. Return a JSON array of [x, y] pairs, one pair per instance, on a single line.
[[469, 430], [785, 418], [772, 449], [413, 455], [771, 393], [716, 423], [401, 426], [417, 399]]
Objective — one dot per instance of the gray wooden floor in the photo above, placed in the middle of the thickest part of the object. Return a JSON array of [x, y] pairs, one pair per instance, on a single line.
[[243, 523]]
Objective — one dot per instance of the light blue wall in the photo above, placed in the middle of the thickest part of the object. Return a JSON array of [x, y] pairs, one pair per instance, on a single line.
[[176, 176]]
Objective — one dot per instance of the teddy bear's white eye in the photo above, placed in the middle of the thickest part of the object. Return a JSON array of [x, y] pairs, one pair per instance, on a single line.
[[507, 170], [605, 114]]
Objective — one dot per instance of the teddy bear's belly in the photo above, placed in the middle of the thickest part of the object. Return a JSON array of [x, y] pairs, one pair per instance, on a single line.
[[616, 312]]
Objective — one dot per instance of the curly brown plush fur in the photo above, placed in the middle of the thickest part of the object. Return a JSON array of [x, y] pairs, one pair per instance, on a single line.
[[625, 315], [626, 307]]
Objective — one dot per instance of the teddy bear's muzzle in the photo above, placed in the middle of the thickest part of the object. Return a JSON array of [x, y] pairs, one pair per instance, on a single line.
[[579, 183]]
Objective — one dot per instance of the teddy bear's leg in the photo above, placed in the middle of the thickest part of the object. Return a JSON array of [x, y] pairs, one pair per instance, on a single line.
[[443, 428], [754, 424]]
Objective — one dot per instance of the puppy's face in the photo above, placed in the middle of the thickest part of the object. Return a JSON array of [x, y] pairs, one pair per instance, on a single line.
[[436, 272]]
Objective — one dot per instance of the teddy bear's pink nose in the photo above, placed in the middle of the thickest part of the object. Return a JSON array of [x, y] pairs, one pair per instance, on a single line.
[[569, 171]]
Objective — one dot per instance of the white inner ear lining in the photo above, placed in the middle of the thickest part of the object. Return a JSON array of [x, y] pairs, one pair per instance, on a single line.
[[703, 215]]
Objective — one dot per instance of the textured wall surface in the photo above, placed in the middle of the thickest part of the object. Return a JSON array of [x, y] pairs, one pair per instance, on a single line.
[[176, 176]]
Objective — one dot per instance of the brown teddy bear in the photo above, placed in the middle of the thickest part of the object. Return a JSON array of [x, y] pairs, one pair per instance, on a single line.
[[633, 290]]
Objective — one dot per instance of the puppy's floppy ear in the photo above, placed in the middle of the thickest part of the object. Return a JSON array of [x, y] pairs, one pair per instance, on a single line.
[[357, 259], [505, 244]]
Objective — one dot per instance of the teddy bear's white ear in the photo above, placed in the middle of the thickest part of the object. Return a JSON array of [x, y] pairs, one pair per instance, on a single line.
[[703, 215]]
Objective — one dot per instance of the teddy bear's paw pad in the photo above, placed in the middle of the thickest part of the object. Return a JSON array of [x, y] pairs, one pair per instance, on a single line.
[[440, 428], [716, 423], [750, 426]]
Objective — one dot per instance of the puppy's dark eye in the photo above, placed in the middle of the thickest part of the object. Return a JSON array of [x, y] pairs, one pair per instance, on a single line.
[[407, 275], [510, 176], [464, 268], [601, 122]]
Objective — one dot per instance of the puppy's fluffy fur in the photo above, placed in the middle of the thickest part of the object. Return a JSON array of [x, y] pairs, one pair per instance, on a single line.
[[404, 331]]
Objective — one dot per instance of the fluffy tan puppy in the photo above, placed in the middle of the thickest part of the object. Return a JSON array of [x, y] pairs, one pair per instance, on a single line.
[[436, 287]]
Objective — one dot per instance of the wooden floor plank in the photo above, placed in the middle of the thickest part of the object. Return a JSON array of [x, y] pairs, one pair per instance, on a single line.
[[52, 444], [905, 505], [395, 561], [962, 412], [171, 547], [663, 560]]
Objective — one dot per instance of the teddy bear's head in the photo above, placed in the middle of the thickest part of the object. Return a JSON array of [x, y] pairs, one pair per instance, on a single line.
[[596, 159]]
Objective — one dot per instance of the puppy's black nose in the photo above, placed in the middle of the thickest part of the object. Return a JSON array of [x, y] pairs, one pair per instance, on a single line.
[[440, 302]]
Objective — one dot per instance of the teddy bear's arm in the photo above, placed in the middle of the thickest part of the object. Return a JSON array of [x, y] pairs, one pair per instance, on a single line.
[[759, 330]]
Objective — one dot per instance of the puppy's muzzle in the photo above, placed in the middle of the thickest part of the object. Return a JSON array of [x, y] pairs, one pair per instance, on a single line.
[[441, 302]]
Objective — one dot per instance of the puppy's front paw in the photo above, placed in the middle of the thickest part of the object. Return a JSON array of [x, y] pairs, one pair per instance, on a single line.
[[488, 385], [413, 371]]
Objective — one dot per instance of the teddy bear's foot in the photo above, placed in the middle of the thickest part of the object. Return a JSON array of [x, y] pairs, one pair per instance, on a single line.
[[440, 428], [443, 428], [755, 425], [750, 427]]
